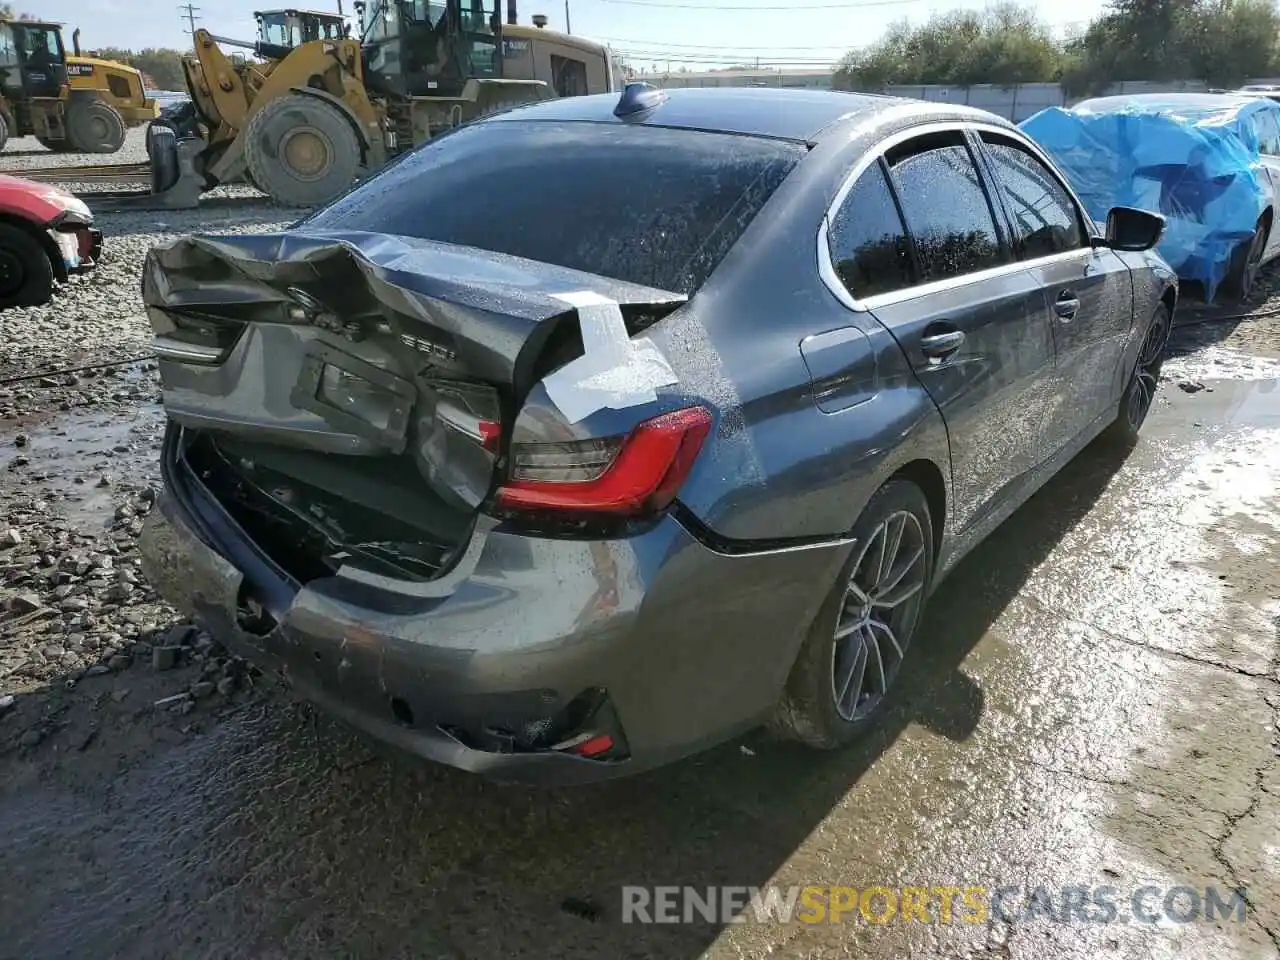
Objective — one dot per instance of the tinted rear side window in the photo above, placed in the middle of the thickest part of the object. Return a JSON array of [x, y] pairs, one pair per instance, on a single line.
[[643, 204], [868, 244], [946, 210]]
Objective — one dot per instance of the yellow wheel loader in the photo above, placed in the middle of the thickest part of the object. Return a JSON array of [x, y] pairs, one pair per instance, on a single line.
[[310, 117], [118, 85], [69, 103]]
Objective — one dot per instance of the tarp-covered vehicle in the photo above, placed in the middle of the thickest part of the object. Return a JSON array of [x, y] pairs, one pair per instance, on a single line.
[[1209, 162]]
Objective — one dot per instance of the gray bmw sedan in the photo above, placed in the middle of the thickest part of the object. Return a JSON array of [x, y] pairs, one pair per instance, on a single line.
[[593, 433]]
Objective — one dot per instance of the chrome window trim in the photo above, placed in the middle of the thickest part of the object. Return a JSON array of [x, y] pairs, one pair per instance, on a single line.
[[827, 269]]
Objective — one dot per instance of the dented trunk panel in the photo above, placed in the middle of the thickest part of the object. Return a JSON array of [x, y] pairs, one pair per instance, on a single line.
[[363, 344]]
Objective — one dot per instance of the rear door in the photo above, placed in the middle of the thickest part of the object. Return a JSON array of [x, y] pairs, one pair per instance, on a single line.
[[972, 324], [1088, 292]]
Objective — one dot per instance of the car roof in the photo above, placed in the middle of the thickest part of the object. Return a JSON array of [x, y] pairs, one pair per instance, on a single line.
[[785, 114], [1172, 102]]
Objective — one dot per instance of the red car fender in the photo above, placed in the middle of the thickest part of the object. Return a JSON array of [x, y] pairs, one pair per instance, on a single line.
[[38, 203]]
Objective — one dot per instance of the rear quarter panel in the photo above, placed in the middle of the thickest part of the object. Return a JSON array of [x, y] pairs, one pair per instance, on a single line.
[[777, 467]]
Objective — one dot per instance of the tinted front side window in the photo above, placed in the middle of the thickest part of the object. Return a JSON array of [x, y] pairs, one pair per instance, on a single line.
[[648, 205], [868, 244], [1043, 214], [946, 211]]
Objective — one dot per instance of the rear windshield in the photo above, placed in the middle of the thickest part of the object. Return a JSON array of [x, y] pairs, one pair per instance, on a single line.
[[644, 204]]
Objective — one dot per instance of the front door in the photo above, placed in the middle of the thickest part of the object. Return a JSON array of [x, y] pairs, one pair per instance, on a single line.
[[973, 327], [44, 66], [1088, 292]]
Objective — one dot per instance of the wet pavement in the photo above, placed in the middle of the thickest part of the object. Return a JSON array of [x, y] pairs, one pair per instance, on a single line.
[[1093, 702]]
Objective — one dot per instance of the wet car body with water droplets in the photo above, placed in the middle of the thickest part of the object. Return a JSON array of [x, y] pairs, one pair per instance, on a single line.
[[594, 433]]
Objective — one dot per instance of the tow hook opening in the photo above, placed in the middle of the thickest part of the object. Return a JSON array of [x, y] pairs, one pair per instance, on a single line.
[[587, 727], [252, 617], [400, 710]]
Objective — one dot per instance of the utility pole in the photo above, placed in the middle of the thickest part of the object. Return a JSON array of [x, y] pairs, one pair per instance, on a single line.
[[568, 26], [188, 11]]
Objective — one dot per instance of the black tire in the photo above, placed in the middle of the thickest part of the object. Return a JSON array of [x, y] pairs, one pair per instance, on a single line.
[[302, 172], [4, 131], [94, 126], [1144, 379], [26, 273], [810, 710], [57, 146], [1246, 261], [162, 151]]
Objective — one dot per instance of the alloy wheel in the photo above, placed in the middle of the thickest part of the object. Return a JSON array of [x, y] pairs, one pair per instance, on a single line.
[[878, 614], [1146, 375]]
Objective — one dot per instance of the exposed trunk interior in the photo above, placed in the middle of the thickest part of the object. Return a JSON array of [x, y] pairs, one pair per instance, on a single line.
[[311, 512], [347, 397]]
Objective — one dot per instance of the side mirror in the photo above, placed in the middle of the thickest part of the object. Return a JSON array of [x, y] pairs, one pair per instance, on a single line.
[[1131, 229]]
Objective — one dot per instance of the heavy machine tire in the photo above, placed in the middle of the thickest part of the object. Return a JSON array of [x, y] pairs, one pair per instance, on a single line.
[[162, 151], [301, 151], [94, 126], [26, 273], [57, 146], [4, 131]]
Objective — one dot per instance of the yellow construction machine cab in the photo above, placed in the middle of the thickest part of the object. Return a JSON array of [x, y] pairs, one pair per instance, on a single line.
[[433, 48], [282, 30]]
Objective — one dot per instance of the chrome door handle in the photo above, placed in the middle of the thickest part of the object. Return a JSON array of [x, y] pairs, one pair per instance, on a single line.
[[1066, 306], [938, 346]]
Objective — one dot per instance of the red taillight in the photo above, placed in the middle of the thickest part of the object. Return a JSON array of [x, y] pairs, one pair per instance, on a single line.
[[624, 476], [594, 747]]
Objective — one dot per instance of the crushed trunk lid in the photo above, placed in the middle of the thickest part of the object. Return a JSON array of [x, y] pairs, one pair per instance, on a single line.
[[367, 344]]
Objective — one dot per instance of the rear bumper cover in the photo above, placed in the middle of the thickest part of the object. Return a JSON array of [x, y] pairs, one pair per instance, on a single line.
[[692, 646]]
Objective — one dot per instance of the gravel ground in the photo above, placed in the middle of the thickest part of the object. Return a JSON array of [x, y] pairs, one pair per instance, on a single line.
[[78, 469]]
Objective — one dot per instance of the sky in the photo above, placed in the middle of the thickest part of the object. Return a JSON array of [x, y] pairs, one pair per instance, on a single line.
[[696, 34]]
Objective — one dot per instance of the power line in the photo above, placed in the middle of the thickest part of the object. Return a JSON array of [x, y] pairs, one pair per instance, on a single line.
[[858, 4]]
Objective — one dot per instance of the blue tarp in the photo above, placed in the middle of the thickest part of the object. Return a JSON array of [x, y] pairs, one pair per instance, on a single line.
[[1192, 158]]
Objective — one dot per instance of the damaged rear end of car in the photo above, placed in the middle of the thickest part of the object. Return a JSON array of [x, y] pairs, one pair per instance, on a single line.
[[351, 399], [425, 447], [345, 412]]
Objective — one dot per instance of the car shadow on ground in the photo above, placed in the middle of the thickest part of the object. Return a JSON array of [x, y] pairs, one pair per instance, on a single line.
[[277, 831], [545, 874]]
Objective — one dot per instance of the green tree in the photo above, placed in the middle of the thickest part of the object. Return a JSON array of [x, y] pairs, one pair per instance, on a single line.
[[162, 65], [1005, 44], [1223, 42]]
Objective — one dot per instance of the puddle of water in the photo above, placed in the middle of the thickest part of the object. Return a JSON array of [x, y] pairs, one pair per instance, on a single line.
[[72, 453], [1253, 404], [1219, 363]]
